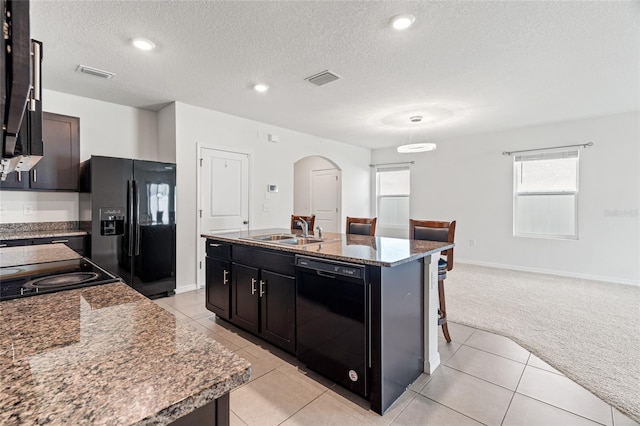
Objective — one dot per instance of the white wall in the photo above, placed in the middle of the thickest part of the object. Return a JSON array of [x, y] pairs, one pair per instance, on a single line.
[[468, 179], [167, 134], [105, 129], [271, 163]]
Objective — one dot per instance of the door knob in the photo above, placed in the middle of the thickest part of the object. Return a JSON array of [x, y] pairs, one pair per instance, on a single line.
[[245, 222]]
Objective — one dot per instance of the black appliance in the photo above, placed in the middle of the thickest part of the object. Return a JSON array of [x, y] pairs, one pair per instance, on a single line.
[[20, 91], [30, 280], [332, 321], [132, 208]]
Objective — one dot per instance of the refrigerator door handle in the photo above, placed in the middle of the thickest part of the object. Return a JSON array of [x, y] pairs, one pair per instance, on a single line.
[[129, 219], [136, 213]]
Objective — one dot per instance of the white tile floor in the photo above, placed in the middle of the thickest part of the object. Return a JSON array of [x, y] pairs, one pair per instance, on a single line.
[[484, 379]]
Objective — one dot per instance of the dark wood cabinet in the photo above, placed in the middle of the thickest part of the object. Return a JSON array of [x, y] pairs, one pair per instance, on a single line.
[[218, 279], [245, 297], [218, 287], [254, 289], [277, 307], [263, 294], [58, 169]]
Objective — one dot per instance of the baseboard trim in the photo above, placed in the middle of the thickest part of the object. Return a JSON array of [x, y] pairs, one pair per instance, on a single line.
[[614, 280], [186, 288]]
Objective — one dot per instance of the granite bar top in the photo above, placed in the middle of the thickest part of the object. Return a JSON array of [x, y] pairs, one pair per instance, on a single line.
[[22, 231], [362, 249], [106, 355], [29, 255]]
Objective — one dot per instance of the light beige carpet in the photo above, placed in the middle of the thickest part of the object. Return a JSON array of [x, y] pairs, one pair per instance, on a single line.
[[588, 330]]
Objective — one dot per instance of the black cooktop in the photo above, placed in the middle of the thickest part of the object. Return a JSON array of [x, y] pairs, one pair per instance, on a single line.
[[31, 280]]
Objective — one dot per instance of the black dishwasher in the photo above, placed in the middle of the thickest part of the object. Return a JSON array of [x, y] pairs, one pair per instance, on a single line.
[[332, 320]]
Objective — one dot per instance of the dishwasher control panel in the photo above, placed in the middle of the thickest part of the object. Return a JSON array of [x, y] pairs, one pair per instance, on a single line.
[[331, 267]]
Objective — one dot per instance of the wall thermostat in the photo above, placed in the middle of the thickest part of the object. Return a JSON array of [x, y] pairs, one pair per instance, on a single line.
[[272, 188]]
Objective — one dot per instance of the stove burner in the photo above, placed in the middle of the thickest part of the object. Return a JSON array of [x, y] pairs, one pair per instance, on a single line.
[[62, 280]]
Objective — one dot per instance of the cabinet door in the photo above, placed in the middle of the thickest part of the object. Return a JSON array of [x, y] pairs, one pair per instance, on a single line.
[[58, 168], [244, 300], [16, 180], [278, 303], [218, 283]]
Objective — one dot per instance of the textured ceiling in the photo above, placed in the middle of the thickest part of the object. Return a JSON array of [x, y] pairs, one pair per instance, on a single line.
[[467, 67]]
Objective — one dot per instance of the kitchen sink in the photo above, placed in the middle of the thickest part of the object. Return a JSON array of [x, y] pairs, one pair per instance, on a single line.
[[301, 241], [288, 239], [272, 237]]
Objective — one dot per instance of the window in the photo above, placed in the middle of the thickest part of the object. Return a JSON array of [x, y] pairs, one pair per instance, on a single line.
[[392, 197], [546, 194]]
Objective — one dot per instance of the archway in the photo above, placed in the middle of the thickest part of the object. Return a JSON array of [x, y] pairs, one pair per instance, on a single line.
[[317, 189]]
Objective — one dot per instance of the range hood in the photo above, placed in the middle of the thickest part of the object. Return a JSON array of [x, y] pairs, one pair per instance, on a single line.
[[20, 90]]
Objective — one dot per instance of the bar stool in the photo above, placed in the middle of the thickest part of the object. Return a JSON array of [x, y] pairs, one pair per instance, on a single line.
[[311, 220], [437, 231], [361, 225]]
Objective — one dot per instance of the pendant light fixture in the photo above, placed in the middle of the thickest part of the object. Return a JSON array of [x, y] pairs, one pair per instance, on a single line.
[[416, 147]]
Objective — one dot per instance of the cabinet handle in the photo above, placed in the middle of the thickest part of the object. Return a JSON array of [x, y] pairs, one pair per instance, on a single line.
[[253, 286], [262, 284], [35, 175], [19, 176], [59, 241], [214, 245], [3, 245], [225, 280]]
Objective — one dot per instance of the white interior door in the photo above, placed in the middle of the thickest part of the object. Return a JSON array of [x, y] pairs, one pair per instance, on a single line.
[[325, 199], [224, 194]]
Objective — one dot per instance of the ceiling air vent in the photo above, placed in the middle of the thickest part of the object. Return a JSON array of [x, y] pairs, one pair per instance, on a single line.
[[323, 78], [95, 72]]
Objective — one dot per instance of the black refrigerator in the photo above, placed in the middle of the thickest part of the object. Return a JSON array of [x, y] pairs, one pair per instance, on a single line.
[[129, 208]]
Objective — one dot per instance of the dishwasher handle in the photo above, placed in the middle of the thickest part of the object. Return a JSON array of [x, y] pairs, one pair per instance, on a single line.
[[326, 274]]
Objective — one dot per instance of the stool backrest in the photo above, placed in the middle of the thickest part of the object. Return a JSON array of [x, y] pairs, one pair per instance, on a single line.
[[311, 220], [432, 230], [361, 225]]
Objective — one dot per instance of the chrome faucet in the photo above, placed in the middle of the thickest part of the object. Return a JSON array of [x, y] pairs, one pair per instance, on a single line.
[[305, 227], [319, 232]]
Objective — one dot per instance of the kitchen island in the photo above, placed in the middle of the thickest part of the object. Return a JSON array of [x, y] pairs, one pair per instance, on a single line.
[[257, 280], [106, 355]]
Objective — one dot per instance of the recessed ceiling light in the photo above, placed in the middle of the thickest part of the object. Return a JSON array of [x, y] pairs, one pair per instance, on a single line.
[[416, 147], [260, 87], [143, 44], [402, 22]]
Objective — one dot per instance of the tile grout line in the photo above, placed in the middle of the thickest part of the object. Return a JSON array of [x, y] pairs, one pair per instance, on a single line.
[[452, 409], [514, 392], [501, 356], [560, 408]]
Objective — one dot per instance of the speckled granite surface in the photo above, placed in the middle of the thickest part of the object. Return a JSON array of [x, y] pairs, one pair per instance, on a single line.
[[28, 255], [19, 231], [378, 251], [105, 355]]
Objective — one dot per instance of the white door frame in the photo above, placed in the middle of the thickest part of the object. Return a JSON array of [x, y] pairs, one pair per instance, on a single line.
[[200, 242]]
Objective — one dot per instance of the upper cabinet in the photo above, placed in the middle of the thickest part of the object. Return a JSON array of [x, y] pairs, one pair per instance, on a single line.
[[58, 168]]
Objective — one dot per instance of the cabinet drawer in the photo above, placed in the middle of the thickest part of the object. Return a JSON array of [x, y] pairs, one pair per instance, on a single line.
[[218, 249], [14, 243], [75, 243], [275, 261]]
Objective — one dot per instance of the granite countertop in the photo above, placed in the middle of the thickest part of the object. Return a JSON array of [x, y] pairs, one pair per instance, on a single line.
[[21, 235], [106, 355], [28, 255], [378, 251], [23, 231]]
